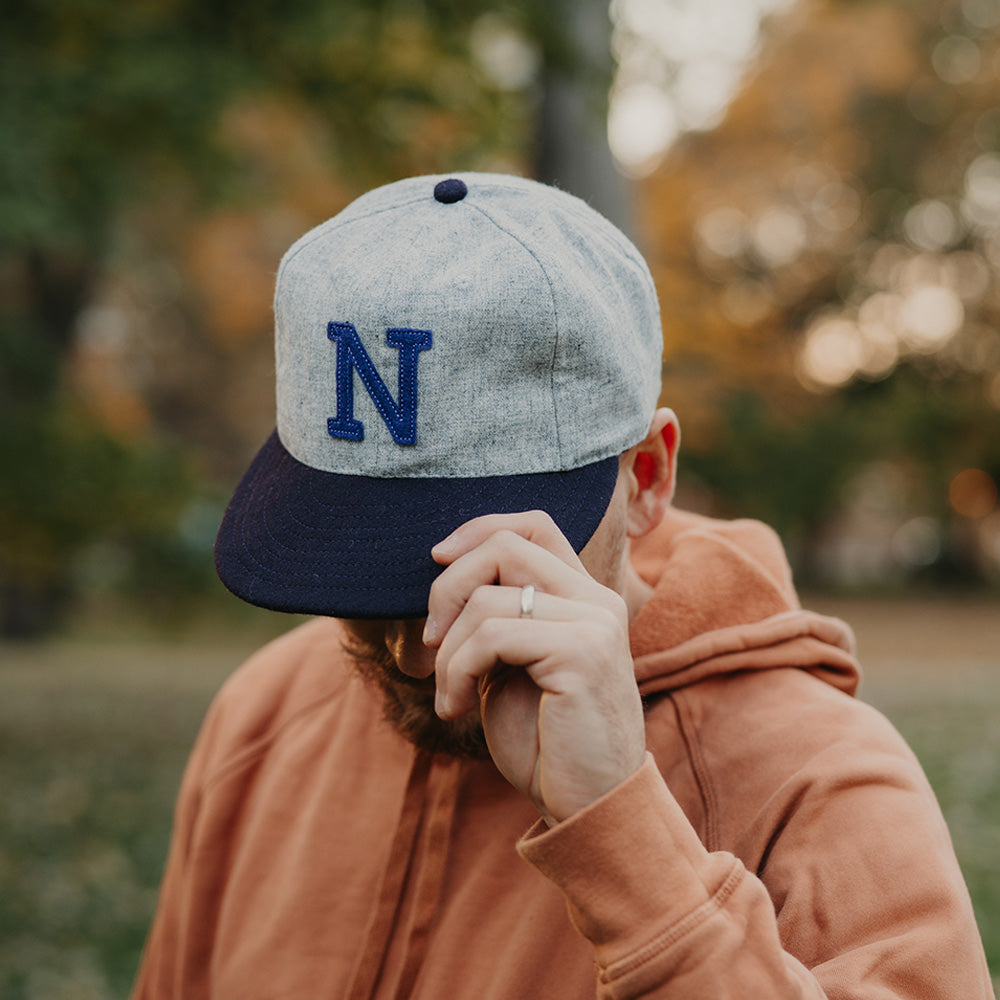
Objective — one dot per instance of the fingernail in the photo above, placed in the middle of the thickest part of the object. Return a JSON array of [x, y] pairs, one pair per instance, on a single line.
[[445, 547], [430, 632], [440, 704]]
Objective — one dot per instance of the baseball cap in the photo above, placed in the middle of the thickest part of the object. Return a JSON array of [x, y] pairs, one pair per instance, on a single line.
[[446, 347]]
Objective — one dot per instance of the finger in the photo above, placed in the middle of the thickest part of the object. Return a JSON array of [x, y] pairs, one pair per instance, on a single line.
[[534, 525], [559, 659], [505, 603], [510, 560], [496, 645]]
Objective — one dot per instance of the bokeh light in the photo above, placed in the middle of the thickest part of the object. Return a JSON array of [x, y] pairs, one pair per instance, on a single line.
[[956, 59], [642, 122], [973, 493], [981, 201], [504, 54], [931, 225], [679, 65], [832, 352], [929, 317], [917, 543], [779, 235], [982, 14], [722, 231]]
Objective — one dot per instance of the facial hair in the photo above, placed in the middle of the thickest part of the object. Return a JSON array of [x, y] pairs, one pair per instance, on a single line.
[[408, 705]]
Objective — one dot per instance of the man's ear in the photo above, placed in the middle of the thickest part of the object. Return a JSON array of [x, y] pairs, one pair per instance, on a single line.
[[651, 467]]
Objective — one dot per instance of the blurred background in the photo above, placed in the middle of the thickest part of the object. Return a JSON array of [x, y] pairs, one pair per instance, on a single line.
[[816, 186]]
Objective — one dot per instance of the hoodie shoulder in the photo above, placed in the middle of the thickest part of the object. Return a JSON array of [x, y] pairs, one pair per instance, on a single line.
[[798, 751], [284, 680], [723, 601]]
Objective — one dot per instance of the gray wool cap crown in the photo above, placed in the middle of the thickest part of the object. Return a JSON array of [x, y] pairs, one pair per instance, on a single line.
[[543, 341]]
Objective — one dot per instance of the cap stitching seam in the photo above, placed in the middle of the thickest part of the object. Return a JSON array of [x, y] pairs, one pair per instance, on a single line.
[[555, 311], [305, 244]]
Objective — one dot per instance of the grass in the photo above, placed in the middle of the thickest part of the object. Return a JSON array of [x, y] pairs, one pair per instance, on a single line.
[[94, 732], [93, 738]]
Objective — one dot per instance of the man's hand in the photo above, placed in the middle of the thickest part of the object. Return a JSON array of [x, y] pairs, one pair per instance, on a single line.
[[557, 692]]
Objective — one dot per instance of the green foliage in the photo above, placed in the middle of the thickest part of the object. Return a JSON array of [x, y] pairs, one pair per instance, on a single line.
[[792, 472], [108, 108], [96, 97], [787, 472], [104, 102], [76, 484], [941, 421]]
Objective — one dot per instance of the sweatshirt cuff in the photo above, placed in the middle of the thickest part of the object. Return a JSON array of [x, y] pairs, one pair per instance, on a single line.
[[630, 865]]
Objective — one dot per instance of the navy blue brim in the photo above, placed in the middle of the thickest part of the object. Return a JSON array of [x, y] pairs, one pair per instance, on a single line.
[[298, 539]]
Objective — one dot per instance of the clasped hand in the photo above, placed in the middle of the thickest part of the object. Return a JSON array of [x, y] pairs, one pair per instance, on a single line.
[[557, 694]]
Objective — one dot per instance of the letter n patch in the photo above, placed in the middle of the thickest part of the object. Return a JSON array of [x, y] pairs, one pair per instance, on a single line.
[[399, 414]]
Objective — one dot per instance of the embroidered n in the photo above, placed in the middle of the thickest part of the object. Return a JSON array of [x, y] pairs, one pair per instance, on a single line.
[[400, 414]]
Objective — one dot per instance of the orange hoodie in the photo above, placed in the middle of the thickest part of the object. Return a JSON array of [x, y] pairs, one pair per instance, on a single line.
[[780, 842]]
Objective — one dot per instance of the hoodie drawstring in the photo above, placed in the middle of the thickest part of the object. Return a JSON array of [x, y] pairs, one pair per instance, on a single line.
[[426, 870], [430, 873]]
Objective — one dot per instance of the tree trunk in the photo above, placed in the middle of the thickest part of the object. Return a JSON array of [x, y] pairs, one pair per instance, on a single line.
[[572, 150]]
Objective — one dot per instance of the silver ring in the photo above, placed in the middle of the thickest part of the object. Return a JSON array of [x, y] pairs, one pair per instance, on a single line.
[[527, 601]]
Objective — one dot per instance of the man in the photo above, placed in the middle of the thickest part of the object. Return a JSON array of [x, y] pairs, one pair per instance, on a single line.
[[547, 737]]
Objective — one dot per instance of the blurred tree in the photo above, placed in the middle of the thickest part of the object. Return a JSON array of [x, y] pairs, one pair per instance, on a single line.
[[832, 246], [96, 102], [160, 149], [572, 148]]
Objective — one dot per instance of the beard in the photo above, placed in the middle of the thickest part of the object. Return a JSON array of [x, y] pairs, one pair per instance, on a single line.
[[408, 705]]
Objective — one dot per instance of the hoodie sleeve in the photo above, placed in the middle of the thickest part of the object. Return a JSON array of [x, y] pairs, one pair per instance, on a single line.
[[175, 945], [667, 918]]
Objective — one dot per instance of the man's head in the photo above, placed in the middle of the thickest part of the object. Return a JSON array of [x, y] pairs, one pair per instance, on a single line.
[[446, 348], [393, 656]]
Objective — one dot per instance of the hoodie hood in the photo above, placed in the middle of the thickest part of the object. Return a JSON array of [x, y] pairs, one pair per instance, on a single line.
[[723, 601]]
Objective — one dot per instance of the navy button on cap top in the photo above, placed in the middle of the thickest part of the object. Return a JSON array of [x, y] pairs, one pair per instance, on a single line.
[[451, 190]]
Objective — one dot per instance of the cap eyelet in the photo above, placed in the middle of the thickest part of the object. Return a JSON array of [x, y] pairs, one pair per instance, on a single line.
[[449, 191]]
